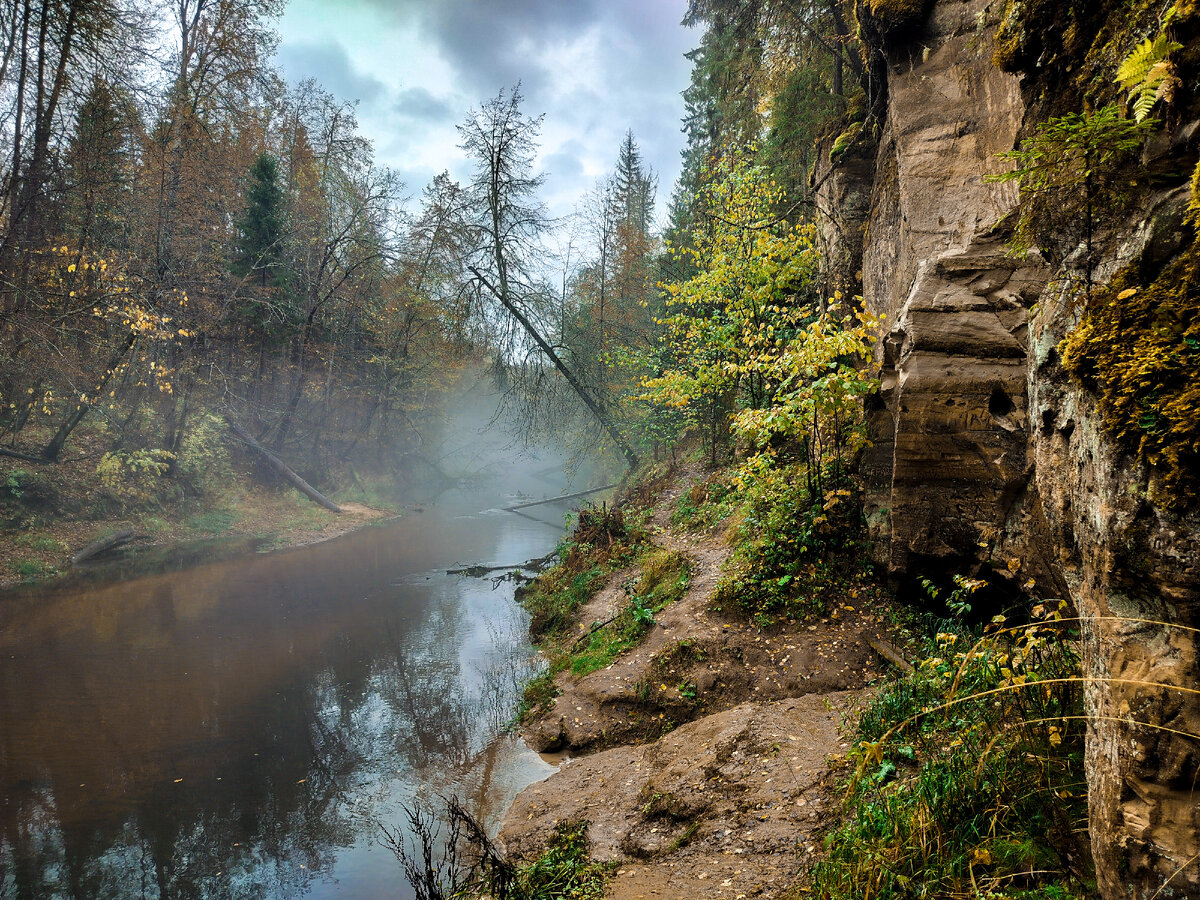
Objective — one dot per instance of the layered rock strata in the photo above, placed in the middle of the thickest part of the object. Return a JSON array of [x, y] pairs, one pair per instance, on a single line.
[[986, 456]]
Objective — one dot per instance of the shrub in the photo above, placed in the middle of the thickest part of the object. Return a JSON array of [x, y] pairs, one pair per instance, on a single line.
[[134, 477], [204, 461], [969, 779], [788, 540]]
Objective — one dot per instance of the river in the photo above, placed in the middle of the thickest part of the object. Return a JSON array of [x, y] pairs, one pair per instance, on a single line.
[[243, 728]]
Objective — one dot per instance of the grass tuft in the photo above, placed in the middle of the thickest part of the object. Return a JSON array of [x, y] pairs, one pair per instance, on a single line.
[[969, 776]]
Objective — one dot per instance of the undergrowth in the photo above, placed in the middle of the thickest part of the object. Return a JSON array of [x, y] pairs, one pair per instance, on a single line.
[[789, 546], [969, 775], [600, 544]]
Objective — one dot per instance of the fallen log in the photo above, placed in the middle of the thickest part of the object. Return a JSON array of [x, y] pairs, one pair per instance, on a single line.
[[281, 467], [574, 496], [17, 454], [95, 548], [530, 565], [891, 654]]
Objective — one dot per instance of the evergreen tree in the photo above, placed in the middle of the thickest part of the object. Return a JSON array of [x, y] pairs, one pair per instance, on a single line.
[[261, 228]]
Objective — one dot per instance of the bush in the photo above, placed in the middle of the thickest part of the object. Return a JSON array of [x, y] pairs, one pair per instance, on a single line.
[[134, 477], [204, 462], [788, 542], [969, 779]]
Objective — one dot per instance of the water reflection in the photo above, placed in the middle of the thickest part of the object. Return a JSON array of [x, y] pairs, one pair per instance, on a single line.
[[239, 729]]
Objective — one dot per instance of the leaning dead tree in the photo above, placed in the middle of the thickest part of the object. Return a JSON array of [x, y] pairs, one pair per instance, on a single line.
[[281, 467], [503, 144]]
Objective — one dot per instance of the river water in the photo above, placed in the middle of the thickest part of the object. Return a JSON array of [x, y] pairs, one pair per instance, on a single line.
[[243, 728]]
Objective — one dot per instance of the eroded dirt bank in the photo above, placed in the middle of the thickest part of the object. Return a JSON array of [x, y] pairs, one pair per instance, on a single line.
[[704, 758]]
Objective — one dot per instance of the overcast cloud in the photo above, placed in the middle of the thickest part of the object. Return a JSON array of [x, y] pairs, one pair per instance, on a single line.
[[596, 68]]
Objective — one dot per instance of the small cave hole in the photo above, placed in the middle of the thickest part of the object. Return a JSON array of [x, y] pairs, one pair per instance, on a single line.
[[1049, 417], [1000, 404]]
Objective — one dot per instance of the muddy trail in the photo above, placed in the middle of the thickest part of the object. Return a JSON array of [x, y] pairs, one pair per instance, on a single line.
[[704, 759]]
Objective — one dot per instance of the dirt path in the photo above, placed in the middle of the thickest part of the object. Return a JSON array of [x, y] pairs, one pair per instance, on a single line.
[[702, 758]]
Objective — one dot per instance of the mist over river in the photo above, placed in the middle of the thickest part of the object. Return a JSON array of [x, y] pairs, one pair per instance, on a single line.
[[242, 728]]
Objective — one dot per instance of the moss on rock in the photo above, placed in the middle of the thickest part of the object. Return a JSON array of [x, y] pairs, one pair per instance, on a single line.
[[1138, 348]]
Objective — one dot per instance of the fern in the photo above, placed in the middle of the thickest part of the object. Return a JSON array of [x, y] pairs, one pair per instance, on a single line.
[[1147, 74]]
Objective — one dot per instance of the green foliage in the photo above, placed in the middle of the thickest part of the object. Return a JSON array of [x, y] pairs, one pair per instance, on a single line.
[[1068, 172], [42, 543], [213, 521], [134, 477], [563, 871], [204, 462], [259, 247], [554, 599], [969, 775], [706, 503], [1147, 74], [788, 541], [32, 569], [16, 482], [1138, 348], [745, 326], [662, 581]]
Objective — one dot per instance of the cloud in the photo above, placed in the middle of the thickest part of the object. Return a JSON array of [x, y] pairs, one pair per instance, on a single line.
[[496, 43], [562, 165], [596, 68], [330, 65], [420, 104]]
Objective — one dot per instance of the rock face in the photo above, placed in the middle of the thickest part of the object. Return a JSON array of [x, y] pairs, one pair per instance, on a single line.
[[986, 456]]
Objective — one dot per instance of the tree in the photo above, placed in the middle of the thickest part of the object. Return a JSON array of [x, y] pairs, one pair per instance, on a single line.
[[258, 247], [502, 142], [727, 324]]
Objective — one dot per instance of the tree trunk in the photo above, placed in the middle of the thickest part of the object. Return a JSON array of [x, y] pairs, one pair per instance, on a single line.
[[281, 467], [64, 430], [601, 416]]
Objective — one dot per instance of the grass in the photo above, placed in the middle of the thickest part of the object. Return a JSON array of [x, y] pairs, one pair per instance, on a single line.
[[969, 776], [601, 544], [42, 543], [32, 569], [663, 580], [213, 521], [706, 503], [564, 870]]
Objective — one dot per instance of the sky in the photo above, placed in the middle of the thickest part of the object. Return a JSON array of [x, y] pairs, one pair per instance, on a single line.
[[595, 68]]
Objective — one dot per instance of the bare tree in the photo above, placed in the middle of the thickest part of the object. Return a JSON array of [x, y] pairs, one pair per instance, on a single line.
[[503, 142]]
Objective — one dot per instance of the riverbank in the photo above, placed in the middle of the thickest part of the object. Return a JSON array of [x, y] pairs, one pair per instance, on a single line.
[[51, 511], [704, 758], [779, 723]]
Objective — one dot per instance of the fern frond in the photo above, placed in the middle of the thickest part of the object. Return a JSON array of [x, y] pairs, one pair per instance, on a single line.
[[1146, 71]]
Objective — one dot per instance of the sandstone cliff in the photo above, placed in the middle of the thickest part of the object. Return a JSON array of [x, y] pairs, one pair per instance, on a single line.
[[987, 455]]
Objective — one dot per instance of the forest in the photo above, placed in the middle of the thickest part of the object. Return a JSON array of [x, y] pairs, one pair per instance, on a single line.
[[212, 245], [905, 360]]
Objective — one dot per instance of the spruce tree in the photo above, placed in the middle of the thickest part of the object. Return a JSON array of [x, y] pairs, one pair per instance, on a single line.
[[258, 249]]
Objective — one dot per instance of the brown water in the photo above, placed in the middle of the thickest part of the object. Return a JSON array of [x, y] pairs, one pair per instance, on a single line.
[[241, 729]]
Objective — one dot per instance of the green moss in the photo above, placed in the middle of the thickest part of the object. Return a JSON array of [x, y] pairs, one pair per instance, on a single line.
[[1006, 54], [843, 141], [1138, 348], [898, 13]]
